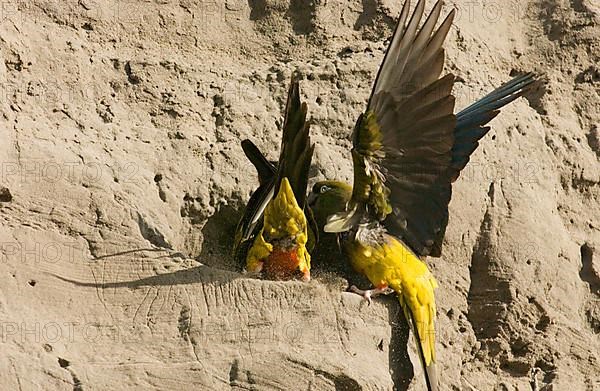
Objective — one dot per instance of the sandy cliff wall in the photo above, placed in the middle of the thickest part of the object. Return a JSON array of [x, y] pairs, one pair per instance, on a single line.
[[123, 176]]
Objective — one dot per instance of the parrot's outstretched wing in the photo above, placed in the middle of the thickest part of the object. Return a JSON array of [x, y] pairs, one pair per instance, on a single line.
[[402, 143], [294, 163], [471, 121], [408, 147], [470, 128]]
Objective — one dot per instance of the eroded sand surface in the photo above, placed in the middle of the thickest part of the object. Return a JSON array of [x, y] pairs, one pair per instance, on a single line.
[[120, 127]]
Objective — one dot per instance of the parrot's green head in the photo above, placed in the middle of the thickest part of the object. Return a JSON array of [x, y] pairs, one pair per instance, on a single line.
[[327, 198]]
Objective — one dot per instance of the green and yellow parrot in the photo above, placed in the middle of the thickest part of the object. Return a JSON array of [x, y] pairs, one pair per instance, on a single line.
[[272, 237], [408, 149]]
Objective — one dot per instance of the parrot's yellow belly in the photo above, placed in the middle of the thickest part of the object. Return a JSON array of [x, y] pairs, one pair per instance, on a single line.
[[385, 262], [392, 264]]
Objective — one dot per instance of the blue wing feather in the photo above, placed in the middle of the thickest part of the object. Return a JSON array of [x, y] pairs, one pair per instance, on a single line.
[[470, 122]]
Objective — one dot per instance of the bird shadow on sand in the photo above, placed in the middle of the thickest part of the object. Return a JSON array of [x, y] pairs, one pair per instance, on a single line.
[[401, 368], [193, 275], [218, 267]]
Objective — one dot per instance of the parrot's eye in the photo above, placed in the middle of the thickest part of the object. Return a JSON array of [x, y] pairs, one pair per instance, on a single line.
[[324, 189]]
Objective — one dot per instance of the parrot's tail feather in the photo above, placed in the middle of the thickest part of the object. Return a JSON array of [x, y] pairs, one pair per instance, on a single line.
[[430, 371], [431, 378], [264, 168]]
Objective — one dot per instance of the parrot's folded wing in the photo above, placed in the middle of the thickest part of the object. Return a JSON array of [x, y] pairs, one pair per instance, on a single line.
[[251, 221]]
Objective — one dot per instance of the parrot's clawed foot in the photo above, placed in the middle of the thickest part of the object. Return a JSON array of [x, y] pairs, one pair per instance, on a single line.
[[306, 275], [369, 294], [253, 272]]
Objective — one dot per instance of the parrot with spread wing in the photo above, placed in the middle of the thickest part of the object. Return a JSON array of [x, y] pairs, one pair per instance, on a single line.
[[274, 234], [408, 148]]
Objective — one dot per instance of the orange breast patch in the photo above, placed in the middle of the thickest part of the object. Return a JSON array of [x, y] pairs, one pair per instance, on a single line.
[[281, 264]]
